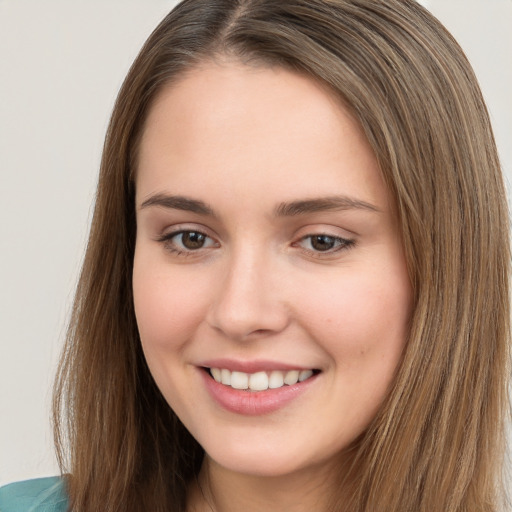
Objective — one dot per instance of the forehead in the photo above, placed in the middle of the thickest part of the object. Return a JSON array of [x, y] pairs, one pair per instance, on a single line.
[[224, 92], [248, 127]]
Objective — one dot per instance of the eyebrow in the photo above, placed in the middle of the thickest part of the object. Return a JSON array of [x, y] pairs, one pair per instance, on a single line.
[[179, 203], [291, 209], [323, 204]]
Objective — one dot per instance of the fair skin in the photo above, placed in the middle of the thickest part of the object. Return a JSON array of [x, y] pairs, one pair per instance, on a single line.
[[267, 242]]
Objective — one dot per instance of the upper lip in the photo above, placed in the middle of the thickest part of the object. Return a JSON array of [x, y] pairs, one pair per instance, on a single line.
[[258, 365]]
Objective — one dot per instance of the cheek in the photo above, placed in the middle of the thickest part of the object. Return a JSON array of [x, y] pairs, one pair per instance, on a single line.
[[363, 327], [363, 320], [168, 305]]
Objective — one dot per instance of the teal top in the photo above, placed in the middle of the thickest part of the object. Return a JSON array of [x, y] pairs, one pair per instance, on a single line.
[[40, 495]]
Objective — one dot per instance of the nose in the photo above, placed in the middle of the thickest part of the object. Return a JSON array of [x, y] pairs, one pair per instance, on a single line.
[[249, 301]]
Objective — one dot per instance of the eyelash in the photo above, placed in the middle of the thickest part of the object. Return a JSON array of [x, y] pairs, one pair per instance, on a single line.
[[171, 246], [342, 243]]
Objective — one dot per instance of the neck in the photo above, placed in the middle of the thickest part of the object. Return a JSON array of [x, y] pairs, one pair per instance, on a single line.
[[221, 490]]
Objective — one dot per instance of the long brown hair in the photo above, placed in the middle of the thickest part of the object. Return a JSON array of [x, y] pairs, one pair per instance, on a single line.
[[437, 444]]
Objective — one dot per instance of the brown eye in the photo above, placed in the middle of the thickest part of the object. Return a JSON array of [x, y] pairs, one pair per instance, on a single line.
[[183, 242], [192, 240], [323, 242]]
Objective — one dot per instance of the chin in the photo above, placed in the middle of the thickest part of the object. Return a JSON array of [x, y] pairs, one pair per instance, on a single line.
[[266, 459]]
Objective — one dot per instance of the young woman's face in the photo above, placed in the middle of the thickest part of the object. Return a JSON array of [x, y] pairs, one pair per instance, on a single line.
[[267, 250]]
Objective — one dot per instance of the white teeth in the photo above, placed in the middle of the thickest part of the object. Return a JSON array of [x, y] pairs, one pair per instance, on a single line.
[[225, 377], [292, 377], [216, 374], [239, 380], [276, 380], [259, 381], [305, 374]]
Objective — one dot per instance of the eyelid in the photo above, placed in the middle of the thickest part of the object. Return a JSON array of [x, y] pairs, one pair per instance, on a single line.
[[345, 239], [342, 244], [184, 227], [168, 234], [325, 227]]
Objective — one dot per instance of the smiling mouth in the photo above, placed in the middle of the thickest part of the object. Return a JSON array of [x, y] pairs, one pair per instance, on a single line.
[[260, 381]]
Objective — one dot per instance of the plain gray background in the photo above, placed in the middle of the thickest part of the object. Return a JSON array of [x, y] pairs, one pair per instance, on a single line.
[[61, 65]]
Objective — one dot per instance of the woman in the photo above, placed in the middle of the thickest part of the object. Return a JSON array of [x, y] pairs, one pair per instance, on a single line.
[[295, 293]]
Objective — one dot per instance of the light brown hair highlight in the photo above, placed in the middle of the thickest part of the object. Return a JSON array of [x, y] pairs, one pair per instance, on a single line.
[[437, 444]]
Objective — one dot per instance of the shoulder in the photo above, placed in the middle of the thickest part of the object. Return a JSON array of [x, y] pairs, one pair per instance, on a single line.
[[39, 495]]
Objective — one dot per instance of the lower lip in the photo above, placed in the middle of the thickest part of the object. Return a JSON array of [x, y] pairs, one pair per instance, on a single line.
[[254, 403]]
